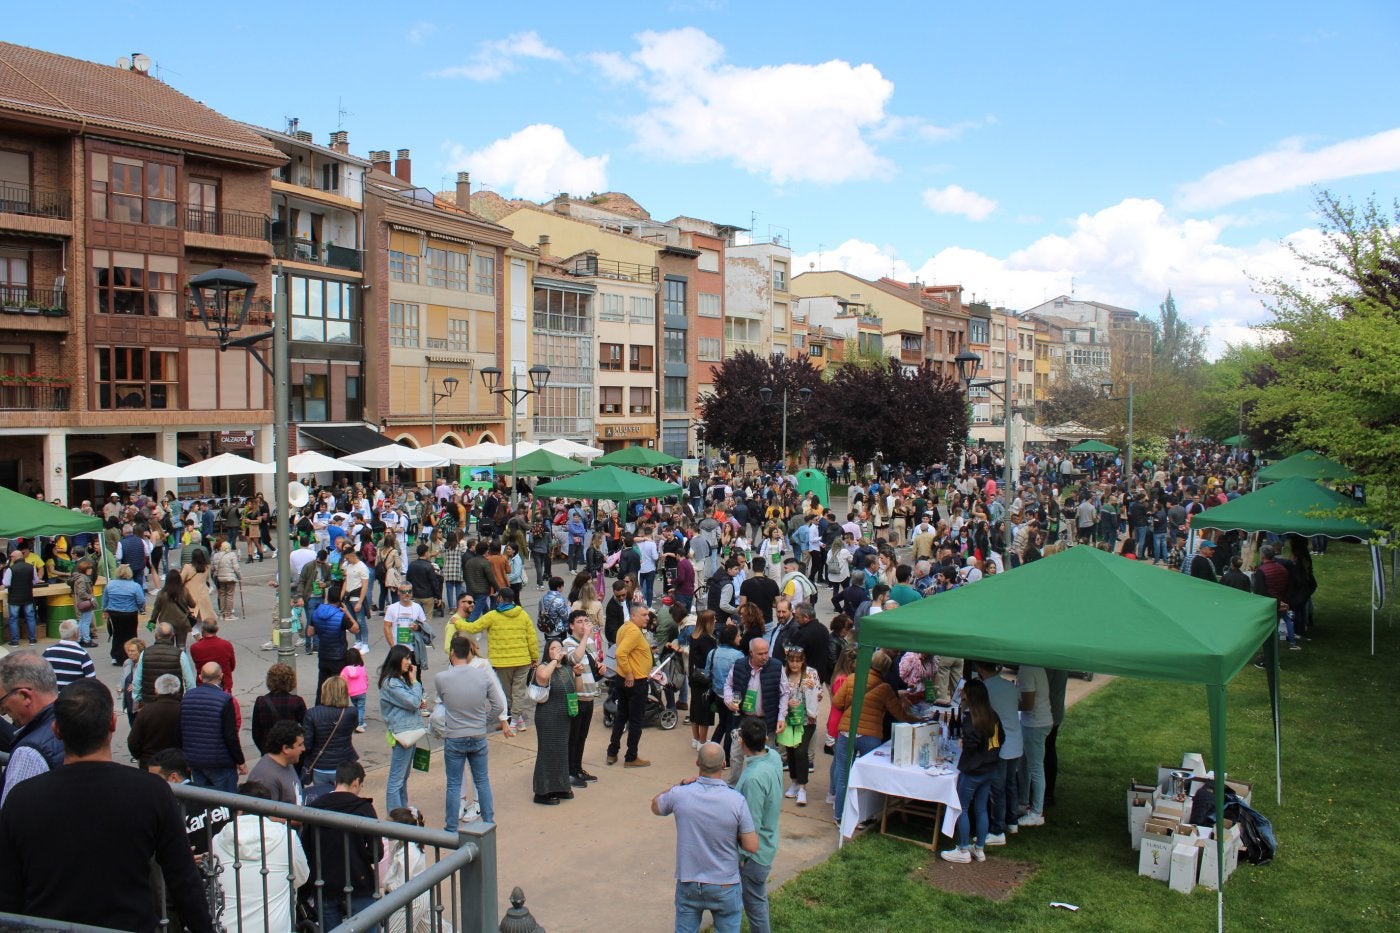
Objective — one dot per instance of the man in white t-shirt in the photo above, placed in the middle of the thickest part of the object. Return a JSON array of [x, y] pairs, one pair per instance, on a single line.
[[402, 621], [1036, 720]]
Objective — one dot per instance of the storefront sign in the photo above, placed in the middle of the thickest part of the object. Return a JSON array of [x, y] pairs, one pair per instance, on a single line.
[[229, 439], [629, 430]]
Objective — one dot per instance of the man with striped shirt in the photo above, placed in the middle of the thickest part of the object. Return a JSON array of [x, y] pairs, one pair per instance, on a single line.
[[69, 660]]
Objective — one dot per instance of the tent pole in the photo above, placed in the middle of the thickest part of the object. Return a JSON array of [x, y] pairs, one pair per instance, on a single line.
[[1273, 663], [1217, 696]]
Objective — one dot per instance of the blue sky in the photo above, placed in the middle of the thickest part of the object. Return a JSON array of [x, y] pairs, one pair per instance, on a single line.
[[1124, 148]]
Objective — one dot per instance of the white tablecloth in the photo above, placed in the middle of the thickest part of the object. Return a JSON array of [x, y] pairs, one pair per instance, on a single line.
[[874, 776]]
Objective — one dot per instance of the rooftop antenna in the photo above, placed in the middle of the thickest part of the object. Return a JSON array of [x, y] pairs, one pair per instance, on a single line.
[[1071, 286], [341, 113]]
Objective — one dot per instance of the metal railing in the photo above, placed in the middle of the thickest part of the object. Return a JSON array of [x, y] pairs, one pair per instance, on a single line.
[[36, 202], [614, 269], [226, 223], [298, 249], [35, 397], [27, 298]]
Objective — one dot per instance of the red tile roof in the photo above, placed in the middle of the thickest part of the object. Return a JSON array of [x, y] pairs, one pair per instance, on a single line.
[[92, 96]]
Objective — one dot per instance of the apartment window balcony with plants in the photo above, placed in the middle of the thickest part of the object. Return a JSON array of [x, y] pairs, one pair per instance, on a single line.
[[26, 299], [34, 392]]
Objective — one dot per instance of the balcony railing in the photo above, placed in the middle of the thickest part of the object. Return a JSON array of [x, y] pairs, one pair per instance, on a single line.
[[34, 396], [613, 269], [548, 426], [227, 223], [36, 202], [297, 249], [26, 299]]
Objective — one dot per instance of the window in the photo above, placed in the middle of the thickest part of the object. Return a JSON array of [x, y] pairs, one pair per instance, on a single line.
[[436, 262], [610, 357], [610, 400], [780, 276], [675, 298], [911, 343], [674, 397], [14, 283], [403, 267], [675, 346], [708, 261], [135, 377], [610, 308], [710, 305], [710, 348], [640, 358], [330, 176], [458, 334], [202, 203], [403, 324], [780, 316], [131, 191], [816, 349], [321, 311], [799, 342], [639, 400], [743, 330], [485, 282], [642, 309], [457, 270], [135, 283], [976, 331], [564, 311]]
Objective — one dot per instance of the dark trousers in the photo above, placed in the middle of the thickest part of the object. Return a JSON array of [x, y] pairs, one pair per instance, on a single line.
[[631, 714], [724, 726], [1004, 800], [542, 568], [799, 756], [578, 734], [1052, 765], [325, 670], [122, 626]]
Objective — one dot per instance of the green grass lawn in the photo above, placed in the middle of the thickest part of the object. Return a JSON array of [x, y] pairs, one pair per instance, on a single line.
[[1337, 828]]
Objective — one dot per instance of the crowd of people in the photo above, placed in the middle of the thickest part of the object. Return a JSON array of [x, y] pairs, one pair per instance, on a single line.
[[746, 593]]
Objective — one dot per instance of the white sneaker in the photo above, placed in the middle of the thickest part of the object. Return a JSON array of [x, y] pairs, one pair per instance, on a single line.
[[978, 855], [961, 856], [1031, 819], [830, 797], [1012, 829], [999, 839], [791, 791], [802, 796]]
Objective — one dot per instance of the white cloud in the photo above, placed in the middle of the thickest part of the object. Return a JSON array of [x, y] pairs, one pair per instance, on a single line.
[[536, 163], [1288, 167], [790, 123], [955, 199], [1128, 254], [420, 30], [497, 57]]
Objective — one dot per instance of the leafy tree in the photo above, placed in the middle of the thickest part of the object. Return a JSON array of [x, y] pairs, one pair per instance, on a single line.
[[1071, 400], [1336, 385], [905, 415], [735, 418], [1177, 347]]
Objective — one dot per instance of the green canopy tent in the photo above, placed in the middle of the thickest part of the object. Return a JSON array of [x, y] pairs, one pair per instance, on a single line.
[[540, 462], [1299, 506], [636, 457], [1234, 440], [608, 482], [23, 517], [1093, 447], [1308, 464], [814, 481], [1126, 618]]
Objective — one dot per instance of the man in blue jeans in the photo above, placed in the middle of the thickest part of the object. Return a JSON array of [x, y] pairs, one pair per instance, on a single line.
[[712, 824], [474, 701]]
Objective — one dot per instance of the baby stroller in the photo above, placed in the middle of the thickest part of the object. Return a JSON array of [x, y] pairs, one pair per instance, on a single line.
[[666, 673]]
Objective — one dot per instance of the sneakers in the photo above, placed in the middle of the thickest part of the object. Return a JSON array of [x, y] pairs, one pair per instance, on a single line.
[[791, 791], [961, 856], [831, 798], [359, 728], [1031, 819], [1259, 664], [637, 763], [612, 759], [978, 855], [999, 839], [801, 796], [1294, 646], [1012, 829]]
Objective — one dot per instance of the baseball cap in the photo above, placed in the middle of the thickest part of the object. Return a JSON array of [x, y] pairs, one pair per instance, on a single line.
[[1206, 544]]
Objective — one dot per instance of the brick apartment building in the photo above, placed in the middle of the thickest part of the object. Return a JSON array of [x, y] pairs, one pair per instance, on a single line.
[[115, 190]]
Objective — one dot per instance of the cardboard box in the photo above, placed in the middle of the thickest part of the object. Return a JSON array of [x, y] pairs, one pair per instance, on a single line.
[[1194, 762], [1138, 816], [926, 735], [1207, 877], [902, 745], [1138, 793], [1186, 857], [1170, 808], [1185, 833], [1155, 853]]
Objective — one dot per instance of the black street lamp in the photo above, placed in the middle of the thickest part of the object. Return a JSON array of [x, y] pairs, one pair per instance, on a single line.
[[1106, 393], [514, 394], [215, 297], [765, 395], [449, 388], [968, 363]]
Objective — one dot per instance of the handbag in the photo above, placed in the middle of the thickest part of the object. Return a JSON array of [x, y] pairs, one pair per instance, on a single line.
[[85, 605], [409, 737], [537, 693], [309, 773], [699, 679]]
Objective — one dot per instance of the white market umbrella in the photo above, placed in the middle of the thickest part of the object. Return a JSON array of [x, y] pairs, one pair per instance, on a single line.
[[316, 462], [135, 469], [521, 449], [567, 448], [482, 454], [394, 456], [230, 465], [450, 452]]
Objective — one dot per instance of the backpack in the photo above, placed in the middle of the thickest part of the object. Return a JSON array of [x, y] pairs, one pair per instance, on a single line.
[[833, 559], [554, 614], [716, 585], [697, 491]]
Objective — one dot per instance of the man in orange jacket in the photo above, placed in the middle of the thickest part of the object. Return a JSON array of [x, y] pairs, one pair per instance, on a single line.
[[633, 669]]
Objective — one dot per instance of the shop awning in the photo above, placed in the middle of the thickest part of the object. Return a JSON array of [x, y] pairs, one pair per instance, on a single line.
[[346, 438]]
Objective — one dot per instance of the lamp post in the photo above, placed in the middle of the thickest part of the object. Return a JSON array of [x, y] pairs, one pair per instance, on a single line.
[[449, 387], [968, 364], [765, 394], [216, 295], [514, 394], [1108, 396]]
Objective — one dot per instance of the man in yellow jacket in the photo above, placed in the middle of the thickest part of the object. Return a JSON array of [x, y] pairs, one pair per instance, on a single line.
[[633, 669], [513, 648]]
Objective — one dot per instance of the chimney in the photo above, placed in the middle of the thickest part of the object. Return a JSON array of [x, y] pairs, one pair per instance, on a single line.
[[544, 245], [379, 159], [403, 167], [340, 141], [304, 135], [464, 190], [561, 203]]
